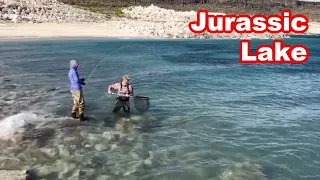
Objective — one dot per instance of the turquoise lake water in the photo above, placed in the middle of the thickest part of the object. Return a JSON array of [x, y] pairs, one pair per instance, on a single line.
[[210, 116]]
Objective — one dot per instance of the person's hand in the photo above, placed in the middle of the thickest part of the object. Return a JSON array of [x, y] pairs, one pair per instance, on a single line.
[[109, 92], [83, 79], [83, 83]]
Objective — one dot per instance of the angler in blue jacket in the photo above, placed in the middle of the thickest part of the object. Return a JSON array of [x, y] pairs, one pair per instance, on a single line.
[[76, 90]]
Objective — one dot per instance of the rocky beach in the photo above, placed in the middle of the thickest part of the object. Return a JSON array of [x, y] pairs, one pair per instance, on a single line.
[[44, 11], [32, 18]]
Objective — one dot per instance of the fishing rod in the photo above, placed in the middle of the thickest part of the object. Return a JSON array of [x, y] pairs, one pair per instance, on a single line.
[[137, 99], [154, 52]]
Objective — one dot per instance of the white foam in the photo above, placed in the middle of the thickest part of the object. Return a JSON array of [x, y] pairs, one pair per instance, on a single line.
[[12, 124]]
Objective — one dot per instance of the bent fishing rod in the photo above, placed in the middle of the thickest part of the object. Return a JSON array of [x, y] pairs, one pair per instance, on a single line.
[[153, 51]]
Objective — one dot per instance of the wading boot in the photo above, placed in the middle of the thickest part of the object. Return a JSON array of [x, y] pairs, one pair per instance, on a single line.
[[81, 117], [74, 115]]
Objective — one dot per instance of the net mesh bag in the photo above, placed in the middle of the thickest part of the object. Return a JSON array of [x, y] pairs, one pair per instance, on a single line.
[[141, 103]]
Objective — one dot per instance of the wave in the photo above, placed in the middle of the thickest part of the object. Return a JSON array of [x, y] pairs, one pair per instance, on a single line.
[[15, 123]]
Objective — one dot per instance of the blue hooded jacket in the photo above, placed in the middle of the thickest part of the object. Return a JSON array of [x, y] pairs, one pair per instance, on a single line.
[[75, 81]]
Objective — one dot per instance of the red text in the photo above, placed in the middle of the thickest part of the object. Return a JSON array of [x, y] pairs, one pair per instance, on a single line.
[[278, 52], [285, 23]]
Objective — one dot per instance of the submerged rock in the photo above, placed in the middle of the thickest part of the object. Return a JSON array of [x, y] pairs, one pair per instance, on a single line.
[[100, 147], [38, 133], [248, 171], [9, 163], [31, 174]]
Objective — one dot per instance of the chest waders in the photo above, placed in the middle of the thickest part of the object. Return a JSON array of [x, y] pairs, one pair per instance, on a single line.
[[122, 102]]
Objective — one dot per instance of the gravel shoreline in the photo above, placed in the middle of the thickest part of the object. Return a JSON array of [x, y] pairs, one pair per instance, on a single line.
[[12, 175], [40, 11]]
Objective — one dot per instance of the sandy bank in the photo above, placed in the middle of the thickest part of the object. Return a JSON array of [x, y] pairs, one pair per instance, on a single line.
[[52, 30], [314, 28]]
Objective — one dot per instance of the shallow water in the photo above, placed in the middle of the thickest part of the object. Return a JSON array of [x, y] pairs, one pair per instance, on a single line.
[[210, 117]]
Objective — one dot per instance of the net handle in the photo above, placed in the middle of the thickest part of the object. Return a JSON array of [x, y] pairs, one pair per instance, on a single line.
[[141, 97]]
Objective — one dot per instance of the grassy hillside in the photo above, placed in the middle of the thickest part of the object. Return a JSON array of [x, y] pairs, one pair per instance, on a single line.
[[113, 7]]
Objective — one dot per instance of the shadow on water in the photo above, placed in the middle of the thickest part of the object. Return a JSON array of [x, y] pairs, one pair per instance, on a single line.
[[40, 135], [32, 175], [269, 171], [95, 115], [144, 122]]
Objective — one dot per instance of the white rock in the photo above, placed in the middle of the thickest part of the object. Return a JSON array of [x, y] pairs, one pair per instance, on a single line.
[[171, 23], [103, 177], [100, 147], [37, 10], [16, 19], [113, 146]]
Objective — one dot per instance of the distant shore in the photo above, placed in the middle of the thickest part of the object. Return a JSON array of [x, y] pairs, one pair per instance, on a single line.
[[25, 22]]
